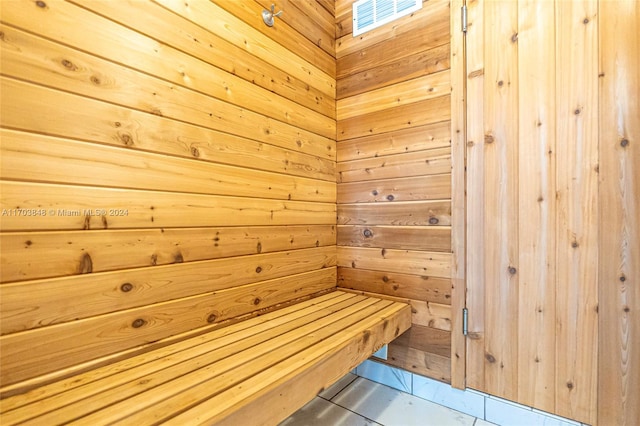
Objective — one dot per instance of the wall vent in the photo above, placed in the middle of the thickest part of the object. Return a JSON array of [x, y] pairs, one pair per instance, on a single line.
[[370, 14]]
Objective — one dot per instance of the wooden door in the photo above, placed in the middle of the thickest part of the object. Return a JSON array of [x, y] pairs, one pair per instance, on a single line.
[[532, 200]]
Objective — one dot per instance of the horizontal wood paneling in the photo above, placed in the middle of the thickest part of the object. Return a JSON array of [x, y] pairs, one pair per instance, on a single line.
[[414, 66], [402, 93], [431, 264], [432, 162], [33, 255], [419, 213], [403, 117], [301, 29], [401, 189], [28, 354], [70, 162], [40, 303], [37, 207], [235, 31], [394, 174], [148, 132], [396, 237], [168, 170], [430, 289], [407, 140]]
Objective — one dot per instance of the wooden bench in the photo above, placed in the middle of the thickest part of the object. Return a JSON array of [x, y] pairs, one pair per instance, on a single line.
[[256, 371]]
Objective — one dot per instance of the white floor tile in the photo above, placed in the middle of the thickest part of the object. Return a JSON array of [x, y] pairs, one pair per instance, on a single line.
[[381, 373], [338, 386], [391, 407], [470, 403], [480, 422], [509, 414], [321, 412]]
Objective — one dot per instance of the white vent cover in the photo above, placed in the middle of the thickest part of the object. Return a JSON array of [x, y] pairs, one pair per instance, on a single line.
[[370, 14]]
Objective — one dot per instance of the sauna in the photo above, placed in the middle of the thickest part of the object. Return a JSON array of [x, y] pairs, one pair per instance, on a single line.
[[213, 210]]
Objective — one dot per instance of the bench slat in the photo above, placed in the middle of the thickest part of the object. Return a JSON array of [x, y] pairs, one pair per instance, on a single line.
[[216, 372]]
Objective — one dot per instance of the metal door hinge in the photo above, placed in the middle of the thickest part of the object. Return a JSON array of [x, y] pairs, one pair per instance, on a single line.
[[464, 18], [465, 321]]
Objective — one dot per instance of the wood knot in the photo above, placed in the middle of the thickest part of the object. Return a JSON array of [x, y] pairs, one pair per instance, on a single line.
[[259, 247], [126, 287], [585, 21], [137, 323], [95, 80], [514, 38], [574, 244], [390, 197], [41, 4], [212, 318], [622, 278], [490, 358], [126, 139], [69, 65], [195, 152], [512, 270], [177, 258], [569, 385], [500, 83], [374, 192], [86, 264], [367, 233], [257, 301], [258, 269], [624, 143], [488, 138], [433, 221], [385, 279]]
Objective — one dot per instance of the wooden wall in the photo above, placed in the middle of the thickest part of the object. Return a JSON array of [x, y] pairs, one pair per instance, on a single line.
[[553, 206], [394, 174], [165, 166]]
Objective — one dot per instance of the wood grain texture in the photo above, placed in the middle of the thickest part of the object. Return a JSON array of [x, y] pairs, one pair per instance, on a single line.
[[429, 289], [474, 217], [404, 117], [37, 207], [40, 303], [414, 66], [234, 31], [220, 363], [431, 162], [419, 213], [394, 172], [537, 202], [577, 210], [413, 139], [69, 162], [421, 263], [34, 255], [458, 345], [501, 217], [38, 352], [392, 190], [427, 238], [140, 142], [619, 209]]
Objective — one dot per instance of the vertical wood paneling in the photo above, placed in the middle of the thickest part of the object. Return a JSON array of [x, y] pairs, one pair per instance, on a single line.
[[577, 209], [619, 210], [537, 203], [458, 139], [501, 181], [475, 195], [536, 216]]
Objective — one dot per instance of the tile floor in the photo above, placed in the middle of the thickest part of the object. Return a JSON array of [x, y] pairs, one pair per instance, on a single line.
[[358, 401]]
